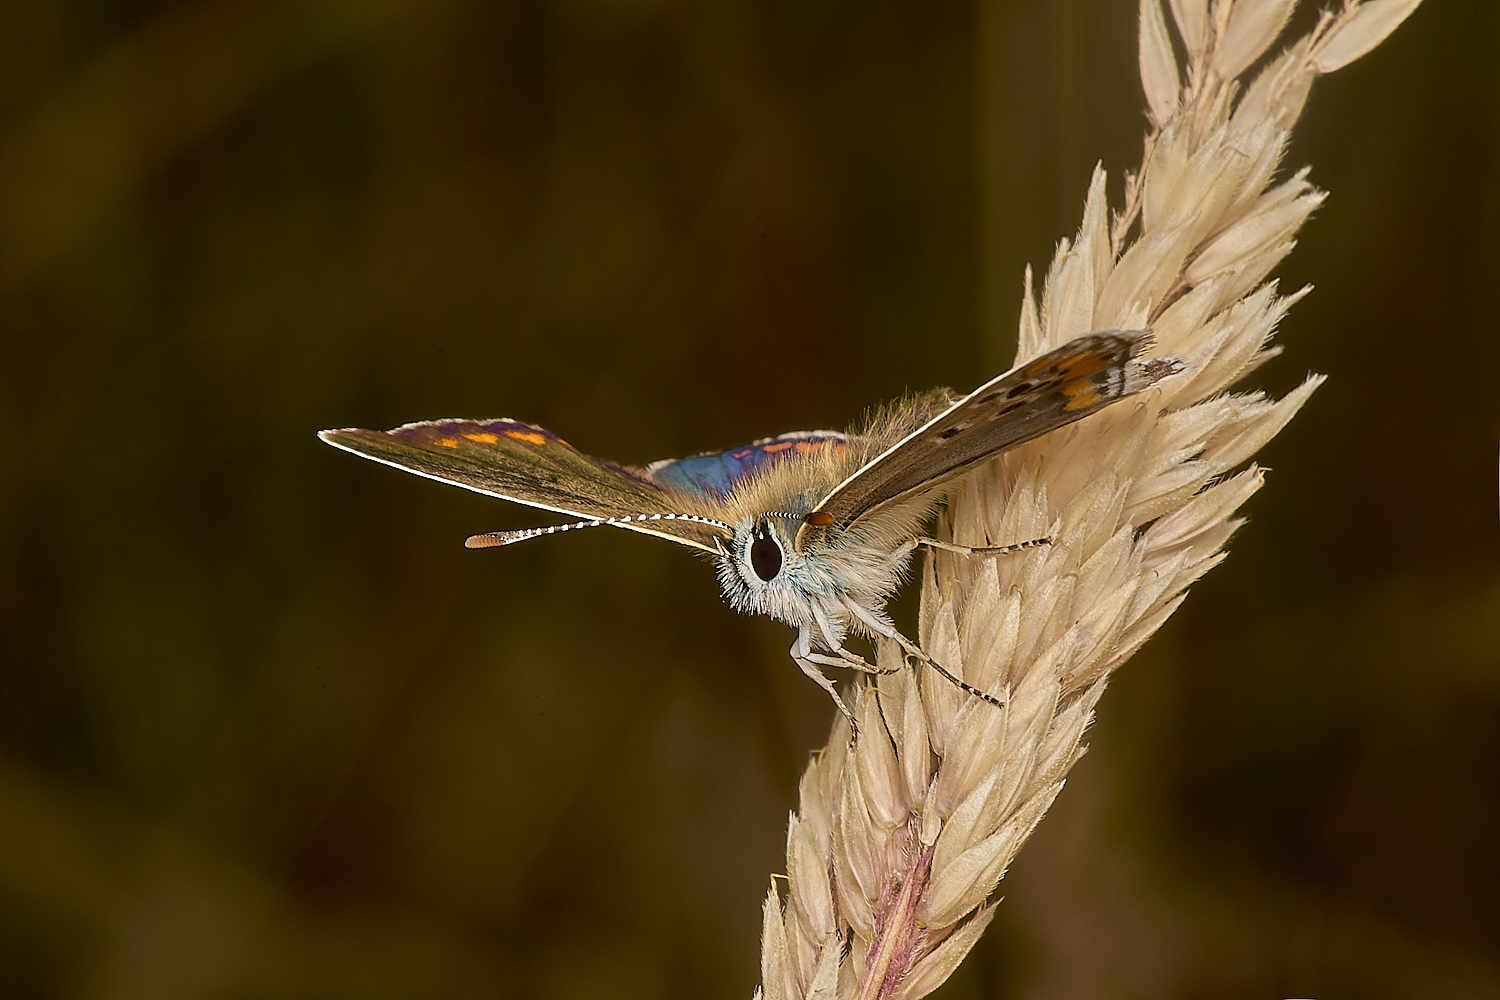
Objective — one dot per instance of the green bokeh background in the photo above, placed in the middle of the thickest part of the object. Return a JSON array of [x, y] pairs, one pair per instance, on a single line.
[[268, 730]]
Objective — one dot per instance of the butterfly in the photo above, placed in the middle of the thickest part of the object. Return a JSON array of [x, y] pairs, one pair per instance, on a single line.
[[813, 528]]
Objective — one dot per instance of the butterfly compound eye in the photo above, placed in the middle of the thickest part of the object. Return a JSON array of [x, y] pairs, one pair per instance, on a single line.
[[765, 556]]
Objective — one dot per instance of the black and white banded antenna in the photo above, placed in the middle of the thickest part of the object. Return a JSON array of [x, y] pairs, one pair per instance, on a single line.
[[493, 539]]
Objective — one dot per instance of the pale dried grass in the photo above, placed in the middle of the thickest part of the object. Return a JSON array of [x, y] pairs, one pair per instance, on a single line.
[[901, 838]]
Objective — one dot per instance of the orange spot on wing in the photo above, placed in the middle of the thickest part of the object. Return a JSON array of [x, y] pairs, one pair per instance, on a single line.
[[1081, 394], [772, 449], [483, 438], [1086, 364], [530, 437], [1071, 366], [808, 447], [448, 442]]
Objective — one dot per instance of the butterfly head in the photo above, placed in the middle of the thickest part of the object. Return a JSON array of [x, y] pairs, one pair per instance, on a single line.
[[762, 570]]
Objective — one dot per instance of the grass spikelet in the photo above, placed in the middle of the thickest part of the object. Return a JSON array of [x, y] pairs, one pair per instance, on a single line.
[[900, 840]]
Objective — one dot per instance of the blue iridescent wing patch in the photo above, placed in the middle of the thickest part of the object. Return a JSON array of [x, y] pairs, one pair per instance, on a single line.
[[716, 473]]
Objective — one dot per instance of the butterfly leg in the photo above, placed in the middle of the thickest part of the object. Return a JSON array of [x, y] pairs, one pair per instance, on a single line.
[[808, 660], [851, 661], [969, 550], [882, 628], [833, 642], [809, 663]]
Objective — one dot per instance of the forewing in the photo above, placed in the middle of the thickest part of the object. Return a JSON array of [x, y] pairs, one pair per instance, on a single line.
[[1081, 377], [526, 464]]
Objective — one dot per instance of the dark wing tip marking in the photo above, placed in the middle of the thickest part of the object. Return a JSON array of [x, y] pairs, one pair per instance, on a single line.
[[1156, 369]]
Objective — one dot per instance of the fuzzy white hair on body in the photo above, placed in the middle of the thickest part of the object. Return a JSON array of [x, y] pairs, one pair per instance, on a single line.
[[832, 582]]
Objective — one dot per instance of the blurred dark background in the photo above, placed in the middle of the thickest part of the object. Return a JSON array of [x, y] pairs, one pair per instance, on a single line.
[[268, 730]]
